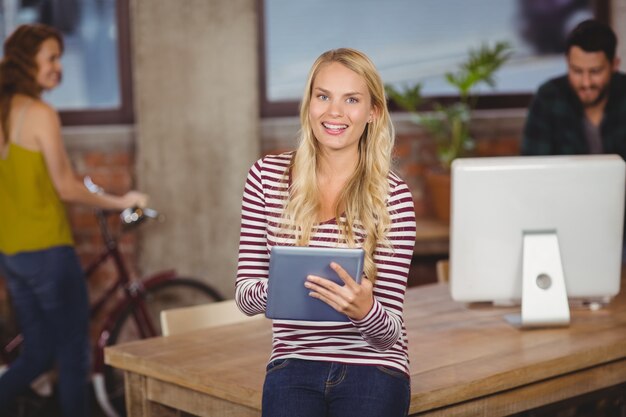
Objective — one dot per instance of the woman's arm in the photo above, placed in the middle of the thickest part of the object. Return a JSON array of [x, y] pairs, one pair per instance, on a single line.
[[47, 130], [377, 310], [253, 262]]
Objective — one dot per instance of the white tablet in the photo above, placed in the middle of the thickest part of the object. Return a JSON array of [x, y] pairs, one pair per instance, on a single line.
[[288, 298]]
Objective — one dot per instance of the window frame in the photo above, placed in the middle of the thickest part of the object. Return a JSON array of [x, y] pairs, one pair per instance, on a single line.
[[270, 109], [124, 114]]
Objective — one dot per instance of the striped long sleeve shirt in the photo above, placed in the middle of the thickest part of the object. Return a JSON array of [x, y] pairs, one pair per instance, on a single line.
[[380, 338]]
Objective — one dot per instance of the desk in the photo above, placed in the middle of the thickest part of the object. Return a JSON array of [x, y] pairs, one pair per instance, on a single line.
[[464, 361]]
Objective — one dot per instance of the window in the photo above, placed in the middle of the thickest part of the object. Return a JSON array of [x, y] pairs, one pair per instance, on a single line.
[[96, 62], [411, 40]]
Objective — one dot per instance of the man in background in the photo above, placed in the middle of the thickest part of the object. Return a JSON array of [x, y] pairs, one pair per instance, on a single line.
[[584, 111]]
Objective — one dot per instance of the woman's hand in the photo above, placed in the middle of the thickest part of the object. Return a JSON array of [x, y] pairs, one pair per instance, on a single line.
[[134, 199], [352, 299]]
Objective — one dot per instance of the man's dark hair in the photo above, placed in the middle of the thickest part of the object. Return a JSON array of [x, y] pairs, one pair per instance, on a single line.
[[593, 36]]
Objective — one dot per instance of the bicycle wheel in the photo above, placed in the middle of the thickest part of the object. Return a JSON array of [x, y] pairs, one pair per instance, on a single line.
[[179, 292]]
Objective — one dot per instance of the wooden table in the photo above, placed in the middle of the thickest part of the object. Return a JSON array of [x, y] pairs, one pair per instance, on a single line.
[[465, 360]]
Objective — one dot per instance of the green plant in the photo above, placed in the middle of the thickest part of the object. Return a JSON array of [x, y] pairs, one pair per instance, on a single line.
[[449, 124]]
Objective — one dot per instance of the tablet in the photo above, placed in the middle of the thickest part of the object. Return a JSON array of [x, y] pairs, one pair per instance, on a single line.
[[288, 298]]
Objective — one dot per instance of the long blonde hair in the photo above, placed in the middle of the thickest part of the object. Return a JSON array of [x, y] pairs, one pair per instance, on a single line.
[[364, 198]]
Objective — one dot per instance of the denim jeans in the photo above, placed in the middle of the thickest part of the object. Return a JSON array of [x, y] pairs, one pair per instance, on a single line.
[[304, 388], [49, 296]]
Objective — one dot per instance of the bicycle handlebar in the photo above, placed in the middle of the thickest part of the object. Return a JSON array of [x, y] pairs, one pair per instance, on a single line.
[[131, 216], [135, 215]]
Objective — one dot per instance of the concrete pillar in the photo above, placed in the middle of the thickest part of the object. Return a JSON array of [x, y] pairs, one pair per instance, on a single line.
[[197, 128]]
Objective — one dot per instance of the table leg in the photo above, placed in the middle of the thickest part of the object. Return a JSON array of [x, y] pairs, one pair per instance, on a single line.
[[137, 402]]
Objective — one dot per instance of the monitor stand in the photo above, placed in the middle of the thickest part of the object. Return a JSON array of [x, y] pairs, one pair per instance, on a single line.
[[544, 297]]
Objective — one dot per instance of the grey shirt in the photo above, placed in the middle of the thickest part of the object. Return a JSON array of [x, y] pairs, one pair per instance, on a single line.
[[592, 133]]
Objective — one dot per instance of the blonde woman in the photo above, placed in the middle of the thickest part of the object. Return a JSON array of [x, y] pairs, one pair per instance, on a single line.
[[336, 190]]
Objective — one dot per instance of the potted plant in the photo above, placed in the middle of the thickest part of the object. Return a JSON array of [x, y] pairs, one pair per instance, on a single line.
[[449, 124]]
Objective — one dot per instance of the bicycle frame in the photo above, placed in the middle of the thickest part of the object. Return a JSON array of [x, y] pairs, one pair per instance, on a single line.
[[133, 299], [133, 290], [146, 327]]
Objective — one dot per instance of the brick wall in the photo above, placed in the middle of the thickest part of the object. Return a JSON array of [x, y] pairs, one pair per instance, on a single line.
[[495, 133]]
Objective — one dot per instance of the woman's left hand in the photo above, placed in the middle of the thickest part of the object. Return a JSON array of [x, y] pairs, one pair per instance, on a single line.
[[352, 299]]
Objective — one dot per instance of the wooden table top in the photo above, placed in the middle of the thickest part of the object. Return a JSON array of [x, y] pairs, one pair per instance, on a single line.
[[458, 352]]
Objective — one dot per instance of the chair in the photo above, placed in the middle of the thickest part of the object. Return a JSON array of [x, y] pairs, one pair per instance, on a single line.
[[443, 270], [184, 319]]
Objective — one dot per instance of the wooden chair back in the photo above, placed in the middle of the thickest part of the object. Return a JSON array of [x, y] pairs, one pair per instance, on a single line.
[[184, 319], [443, 267]]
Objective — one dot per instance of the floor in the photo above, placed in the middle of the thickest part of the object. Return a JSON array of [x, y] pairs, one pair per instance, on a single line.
[[31, 405], [610, 402]]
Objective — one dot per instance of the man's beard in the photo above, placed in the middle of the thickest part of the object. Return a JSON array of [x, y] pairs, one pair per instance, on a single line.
[[602, 95]]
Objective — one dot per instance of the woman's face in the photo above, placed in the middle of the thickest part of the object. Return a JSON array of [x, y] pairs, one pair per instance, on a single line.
[[48, 61], [340, 108]]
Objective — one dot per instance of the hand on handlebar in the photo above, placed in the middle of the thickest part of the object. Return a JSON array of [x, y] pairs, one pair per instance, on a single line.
[[130, 199], [135, 199], [132, 216]]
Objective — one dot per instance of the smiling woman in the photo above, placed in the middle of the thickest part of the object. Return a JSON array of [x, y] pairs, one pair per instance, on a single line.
[[339, 110], [48, 61], [336, 190], [37, 257]]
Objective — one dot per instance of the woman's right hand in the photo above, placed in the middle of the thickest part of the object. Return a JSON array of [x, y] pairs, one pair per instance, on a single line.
[[135, 199]]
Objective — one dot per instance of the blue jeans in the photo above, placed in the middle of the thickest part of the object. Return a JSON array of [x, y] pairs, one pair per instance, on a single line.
[[304, 388], [49, 296]]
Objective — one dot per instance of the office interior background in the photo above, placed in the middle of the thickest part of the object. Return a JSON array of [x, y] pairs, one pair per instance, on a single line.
[[178, 99]]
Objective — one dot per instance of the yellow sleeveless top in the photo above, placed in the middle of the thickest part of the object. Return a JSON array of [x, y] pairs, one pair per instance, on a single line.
[[32, 217]]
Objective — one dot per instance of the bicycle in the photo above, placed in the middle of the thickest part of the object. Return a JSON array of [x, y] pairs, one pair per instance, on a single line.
[[135, 315]]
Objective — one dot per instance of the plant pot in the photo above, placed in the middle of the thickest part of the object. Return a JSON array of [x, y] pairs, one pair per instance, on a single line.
[[438, 184]]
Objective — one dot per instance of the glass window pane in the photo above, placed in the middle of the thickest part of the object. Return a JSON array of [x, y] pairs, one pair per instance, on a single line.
[[418, 40], [90, 61]]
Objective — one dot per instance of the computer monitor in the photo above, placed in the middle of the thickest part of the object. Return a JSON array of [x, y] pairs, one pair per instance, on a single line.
[[542, 230]]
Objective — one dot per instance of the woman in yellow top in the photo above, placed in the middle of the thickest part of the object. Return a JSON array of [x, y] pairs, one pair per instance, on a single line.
[[37, 257]]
